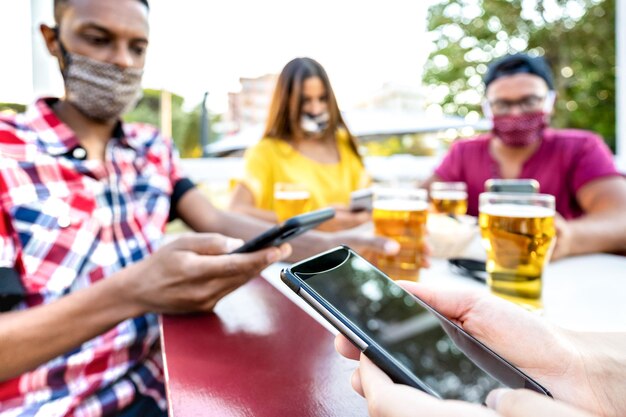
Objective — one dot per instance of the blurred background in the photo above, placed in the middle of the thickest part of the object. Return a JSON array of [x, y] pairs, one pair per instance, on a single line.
[[407, 74]]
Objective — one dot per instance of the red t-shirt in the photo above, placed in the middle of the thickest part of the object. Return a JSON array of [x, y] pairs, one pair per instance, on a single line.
[[566, 160]]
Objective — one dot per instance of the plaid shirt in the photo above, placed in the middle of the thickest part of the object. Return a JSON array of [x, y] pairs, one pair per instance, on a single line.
[[66, 223]]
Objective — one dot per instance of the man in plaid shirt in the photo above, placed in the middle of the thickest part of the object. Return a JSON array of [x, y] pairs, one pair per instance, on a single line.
[[84, 200]]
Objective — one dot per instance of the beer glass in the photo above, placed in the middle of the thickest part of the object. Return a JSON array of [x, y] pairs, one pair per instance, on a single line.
[[400, 214], [518, 234], [449, 197], [290, 200]]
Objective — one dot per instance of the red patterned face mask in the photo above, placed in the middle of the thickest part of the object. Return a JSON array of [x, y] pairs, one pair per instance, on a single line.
[[520, 129]]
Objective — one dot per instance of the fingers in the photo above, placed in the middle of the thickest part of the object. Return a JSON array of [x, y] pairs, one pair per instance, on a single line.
[[355, 381], [452, 303], [361, 217], [379, 245], [207, 243], [346, 348], [384, 398], [246, 264], [519, 403]]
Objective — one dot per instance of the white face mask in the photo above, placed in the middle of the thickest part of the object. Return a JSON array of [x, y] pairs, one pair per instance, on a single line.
[[101, 91], [314, 124]]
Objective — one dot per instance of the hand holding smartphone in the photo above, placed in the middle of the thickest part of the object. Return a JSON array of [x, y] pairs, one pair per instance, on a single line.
[[287, 230], [403, 335]]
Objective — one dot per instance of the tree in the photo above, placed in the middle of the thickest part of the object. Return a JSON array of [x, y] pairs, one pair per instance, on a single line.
[[12, 107], [185, 124], [577, 38]]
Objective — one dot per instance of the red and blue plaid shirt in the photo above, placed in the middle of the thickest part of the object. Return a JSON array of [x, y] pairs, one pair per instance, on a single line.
[[67, 222]]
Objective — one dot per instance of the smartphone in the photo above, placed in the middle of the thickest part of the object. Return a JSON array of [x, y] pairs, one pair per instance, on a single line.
[[407, 338], [362, 200], [12, 290], [287, 230], [512, 186], [471, 268]]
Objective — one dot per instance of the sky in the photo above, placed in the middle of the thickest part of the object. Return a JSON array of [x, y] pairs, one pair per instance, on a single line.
[[198, 46]]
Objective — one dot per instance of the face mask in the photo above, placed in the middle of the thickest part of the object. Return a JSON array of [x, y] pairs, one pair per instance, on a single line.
[[314, 124], [101, 91], [521, 129]]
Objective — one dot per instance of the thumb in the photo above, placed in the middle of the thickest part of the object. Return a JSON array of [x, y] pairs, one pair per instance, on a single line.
[[207, 243], [522, 403]]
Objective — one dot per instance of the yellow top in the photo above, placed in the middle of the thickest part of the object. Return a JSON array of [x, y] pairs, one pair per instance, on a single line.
[[274, 160]]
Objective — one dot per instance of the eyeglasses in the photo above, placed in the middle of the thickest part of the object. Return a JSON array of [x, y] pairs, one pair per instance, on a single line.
[[525, 104]]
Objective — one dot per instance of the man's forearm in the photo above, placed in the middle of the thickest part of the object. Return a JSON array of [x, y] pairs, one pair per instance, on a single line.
[[31, 337], [598, 232]]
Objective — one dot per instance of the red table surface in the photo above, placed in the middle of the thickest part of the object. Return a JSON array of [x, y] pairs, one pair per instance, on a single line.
[[258, 355]]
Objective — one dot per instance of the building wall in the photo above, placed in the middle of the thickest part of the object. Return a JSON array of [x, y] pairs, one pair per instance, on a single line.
[[250, 106]]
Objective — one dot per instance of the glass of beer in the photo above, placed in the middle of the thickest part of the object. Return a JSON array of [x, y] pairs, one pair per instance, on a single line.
[[449, 197], [400, 214], [518, 234], [290, 200]]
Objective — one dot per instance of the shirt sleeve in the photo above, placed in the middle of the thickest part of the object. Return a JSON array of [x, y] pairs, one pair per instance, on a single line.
[[11, 288], [451, 166], [258, 176], [180, 183], [592, 161]]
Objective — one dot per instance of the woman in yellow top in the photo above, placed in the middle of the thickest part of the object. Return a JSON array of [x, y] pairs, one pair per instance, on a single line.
[[306, 143]]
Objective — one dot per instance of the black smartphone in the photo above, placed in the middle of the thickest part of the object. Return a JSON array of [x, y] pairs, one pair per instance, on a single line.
[[407, 338], [496, 185], [362, 200], [471, 268], [12, 290], [287, 230]]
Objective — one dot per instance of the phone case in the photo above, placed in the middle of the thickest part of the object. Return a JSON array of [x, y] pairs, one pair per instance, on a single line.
[[288, 230], [392, 368]]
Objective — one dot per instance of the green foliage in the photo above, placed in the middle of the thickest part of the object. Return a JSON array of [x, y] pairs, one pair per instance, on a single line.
[[13, 107], [185, 124], [577, 37], [414, 144]]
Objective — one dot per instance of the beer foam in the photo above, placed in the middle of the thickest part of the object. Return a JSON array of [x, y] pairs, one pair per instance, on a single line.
[[516, 210], [291, 195], [448, 195], [401, 205]]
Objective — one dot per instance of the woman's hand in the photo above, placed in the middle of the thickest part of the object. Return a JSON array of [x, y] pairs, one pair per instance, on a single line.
[[345, 219], [387, 399]]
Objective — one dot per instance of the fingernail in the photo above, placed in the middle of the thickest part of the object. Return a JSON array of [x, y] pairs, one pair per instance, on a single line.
[[232, 244], [494, 397], [285, 250], [273, 255], [392, 247]]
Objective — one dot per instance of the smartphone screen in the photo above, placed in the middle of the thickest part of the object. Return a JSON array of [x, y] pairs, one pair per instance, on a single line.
[[452, 364]]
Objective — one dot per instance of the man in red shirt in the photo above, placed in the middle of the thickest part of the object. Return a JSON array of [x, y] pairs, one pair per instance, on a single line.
[[575, 166]]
